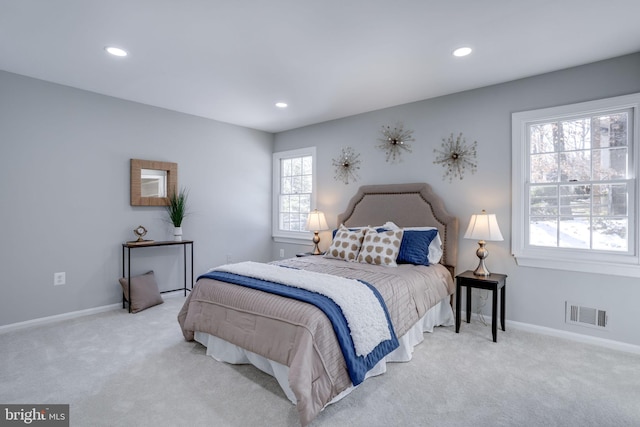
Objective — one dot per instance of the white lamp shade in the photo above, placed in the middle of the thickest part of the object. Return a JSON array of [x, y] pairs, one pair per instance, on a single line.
[[316, 221], [483, 226]]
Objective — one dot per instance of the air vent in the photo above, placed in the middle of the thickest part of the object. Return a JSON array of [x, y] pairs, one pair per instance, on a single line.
[[585, 316]]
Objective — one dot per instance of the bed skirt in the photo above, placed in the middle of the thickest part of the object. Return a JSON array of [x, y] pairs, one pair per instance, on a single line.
[[223, 351]]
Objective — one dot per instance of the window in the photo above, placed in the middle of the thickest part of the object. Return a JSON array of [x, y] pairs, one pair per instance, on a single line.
[[294, 193], [575, 186]]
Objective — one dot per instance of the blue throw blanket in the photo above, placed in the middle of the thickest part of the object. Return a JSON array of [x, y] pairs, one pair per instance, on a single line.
[[357, 366]]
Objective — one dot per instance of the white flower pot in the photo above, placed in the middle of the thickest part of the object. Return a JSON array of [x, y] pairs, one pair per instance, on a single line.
[[177, 234]]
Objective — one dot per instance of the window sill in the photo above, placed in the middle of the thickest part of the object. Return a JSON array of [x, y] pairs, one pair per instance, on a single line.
[[302, 240], [607, 268]]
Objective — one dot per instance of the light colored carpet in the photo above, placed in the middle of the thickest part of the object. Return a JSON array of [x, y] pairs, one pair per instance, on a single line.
[[120, 369]]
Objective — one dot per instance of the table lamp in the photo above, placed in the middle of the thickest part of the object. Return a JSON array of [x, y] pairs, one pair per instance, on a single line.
[[483, 227], [316, 222]]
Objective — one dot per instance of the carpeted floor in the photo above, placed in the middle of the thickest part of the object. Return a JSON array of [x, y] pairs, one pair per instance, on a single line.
[[120, 369]]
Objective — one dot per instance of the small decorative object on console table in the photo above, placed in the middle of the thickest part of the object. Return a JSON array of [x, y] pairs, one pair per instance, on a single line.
[[316, 222], [177, 210], [492, 282], [140, 231], [483, 227]]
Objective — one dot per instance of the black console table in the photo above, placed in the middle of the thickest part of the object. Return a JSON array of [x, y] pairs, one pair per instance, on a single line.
[[127, 246]]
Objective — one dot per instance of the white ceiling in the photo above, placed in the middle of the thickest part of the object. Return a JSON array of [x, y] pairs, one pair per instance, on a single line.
[[232, 60]]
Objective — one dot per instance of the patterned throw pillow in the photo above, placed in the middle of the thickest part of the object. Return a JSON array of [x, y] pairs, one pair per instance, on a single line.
[[380, 248], [346, 244]]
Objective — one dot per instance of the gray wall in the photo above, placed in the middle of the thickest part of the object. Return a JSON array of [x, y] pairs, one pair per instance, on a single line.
[[534, 296], [64, 187]]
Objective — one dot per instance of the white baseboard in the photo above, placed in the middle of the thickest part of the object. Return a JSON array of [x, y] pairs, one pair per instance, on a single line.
[[586, 339], [71, 315], [58, 317], [572, 336]]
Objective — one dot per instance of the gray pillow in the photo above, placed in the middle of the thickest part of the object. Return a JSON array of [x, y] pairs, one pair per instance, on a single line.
[[144, 291]]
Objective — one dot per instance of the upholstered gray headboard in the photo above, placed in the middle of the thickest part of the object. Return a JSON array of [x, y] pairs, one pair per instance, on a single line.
[[407, 205]]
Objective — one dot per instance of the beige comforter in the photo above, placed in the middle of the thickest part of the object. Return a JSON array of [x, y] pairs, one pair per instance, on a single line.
[[299, 335]]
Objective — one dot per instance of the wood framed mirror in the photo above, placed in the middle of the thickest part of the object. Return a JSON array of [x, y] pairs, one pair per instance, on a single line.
[[152, 182]]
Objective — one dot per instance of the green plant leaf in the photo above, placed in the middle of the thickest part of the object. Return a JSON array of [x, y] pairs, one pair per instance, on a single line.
[[177, 208]]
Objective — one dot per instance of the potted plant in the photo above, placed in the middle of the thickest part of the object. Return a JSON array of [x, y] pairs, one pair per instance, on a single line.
[[177, 210]]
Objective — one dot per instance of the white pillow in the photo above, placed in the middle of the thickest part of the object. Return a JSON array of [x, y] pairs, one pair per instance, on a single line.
[[380, 248], [435, 248]]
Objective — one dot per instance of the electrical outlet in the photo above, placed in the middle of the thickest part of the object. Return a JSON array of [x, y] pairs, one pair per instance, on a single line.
[[228, 258], [281, 253], [59, 278]]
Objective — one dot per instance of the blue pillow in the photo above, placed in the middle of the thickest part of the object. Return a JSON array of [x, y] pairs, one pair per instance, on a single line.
[[414, 248]]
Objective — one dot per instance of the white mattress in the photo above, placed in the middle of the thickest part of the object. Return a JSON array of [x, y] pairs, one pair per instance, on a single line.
[[223, 351]]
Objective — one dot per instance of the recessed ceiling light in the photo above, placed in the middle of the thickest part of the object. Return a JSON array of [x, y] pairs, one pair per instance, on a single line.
[[462, 51], [116, 51], [281, 104]]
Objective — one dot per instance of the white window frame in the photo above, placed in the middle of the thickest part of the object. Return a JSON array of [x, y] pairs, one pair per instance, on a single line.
[[296, 237], [591, 261]]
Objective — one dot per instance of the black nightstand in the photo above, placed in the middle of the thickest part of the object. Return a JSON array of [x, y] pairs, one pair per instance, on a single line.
[[493, 282], [308, 254]]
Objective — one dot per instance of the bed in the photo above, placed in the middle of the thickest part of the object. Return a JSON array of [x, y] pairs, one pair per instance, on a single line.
[[295, 341]]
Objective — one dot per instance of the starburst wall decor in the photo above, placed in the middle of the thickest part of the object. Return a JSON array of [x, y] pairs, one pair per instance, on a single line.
[[456, 156], [347, 164], [394, 141]]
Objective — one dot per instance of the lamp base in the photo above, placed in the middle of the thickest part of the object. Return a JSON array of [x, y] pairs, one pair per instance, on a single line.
[[481, 270], [316, 240], [482, 253]]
